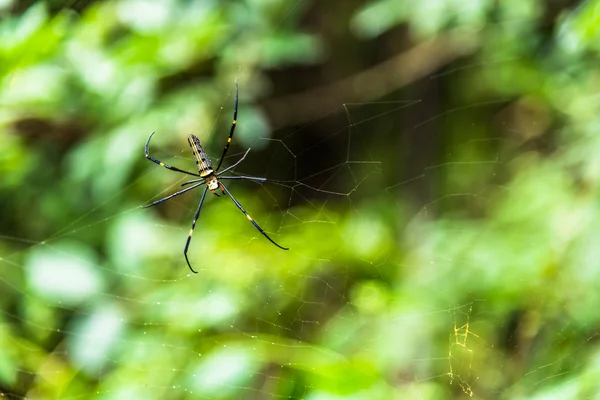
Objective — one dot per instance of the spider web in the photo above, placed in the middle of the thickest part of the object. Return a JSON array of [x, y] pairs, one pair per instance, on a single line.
[[341, 315]]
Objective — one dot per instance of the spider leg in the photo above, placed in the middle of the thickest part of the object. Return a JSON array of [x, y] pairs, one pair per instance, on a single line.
[[172, 195], [238, 205], [236, 164], [192, 181], [255, 178], [189, 239], [235, 110], [162, 164]]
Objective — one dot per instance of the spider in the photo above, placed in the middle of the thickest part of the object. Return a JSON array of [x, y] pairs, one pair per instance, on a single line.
[[209, 176]]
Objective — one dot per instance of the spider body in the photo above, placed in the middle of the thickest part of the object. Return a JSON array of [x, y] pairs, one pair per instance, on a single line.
[[212, 182], [209, 176], [204, 164]]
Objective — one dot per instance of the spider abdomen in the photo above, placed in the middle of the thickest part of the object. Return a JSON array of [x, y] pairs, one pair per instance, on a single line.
[[203, 163]]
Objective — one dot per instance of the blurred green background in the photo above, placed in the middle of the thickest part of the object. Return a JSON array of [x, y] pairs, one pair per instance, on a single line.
[[441, 204]]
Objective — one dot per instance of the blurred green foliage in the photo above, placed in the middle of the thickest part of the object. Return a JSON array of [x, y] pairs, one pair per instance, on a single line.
[[464, 264]]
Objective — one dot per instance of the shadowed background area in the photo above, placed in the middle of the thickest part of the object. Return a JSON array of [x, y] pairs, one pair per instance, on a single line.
[[436, 179]]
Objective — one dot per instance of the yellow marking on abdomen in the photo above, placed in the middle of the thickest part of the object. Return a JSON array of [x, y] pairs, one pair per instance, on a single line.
[[234, 122], [191, 232], [196, 153], [162, 164], [249, 218]]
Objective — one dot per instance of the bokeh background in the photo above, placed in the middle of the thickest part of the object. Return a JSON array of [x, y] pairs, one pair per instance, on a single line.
[[440, 199]]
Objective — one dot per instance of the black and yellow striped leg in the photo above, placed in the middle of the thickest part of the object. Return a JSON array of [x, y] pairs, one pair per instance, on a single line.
[[255, 178], [233, 124], [250, 178], [238, 205], [236, 164], [192, 181], [189, 239], [173, 195], [162, 164]]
